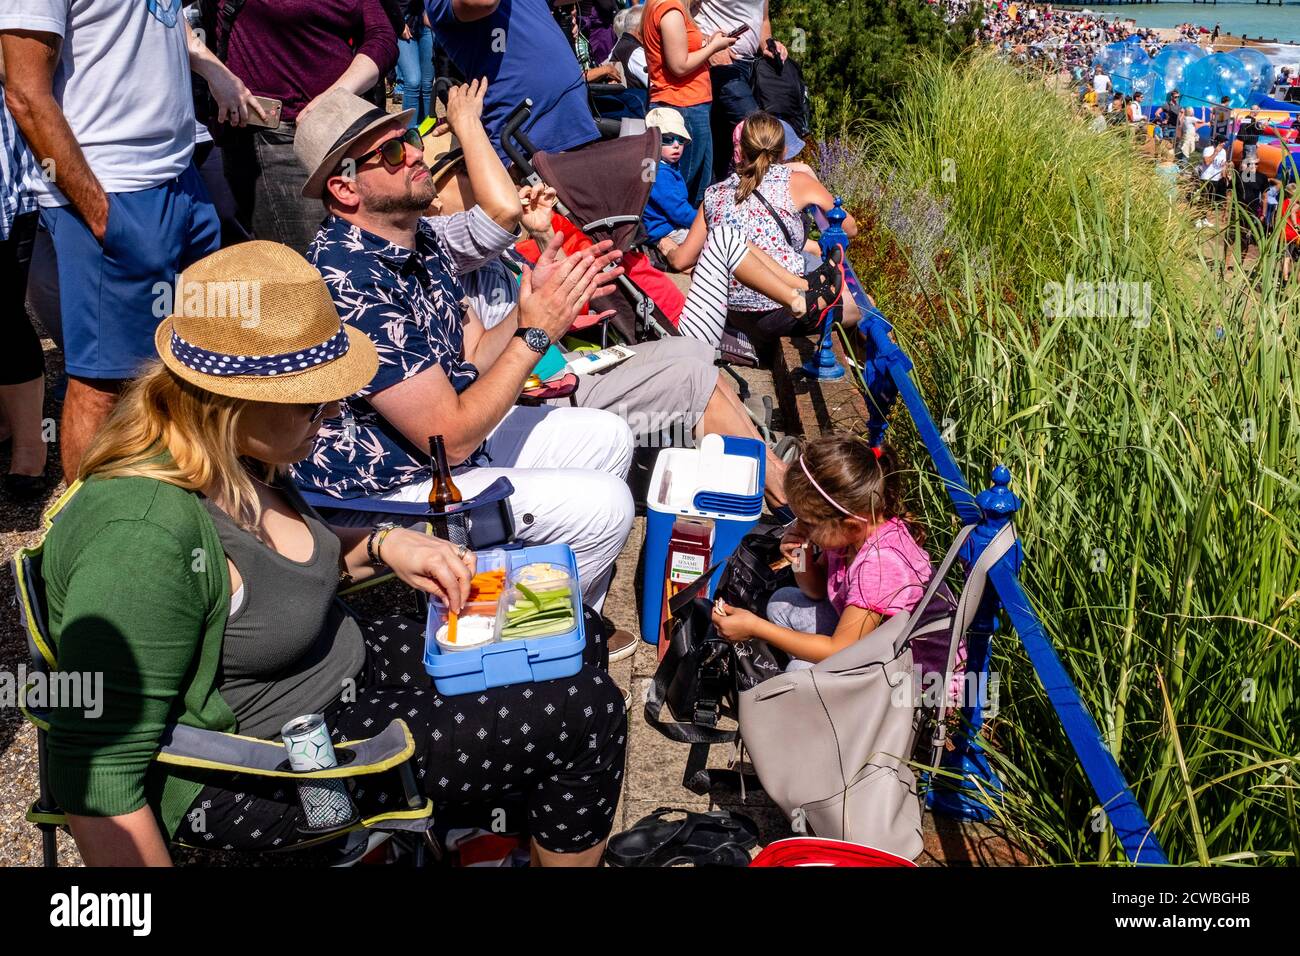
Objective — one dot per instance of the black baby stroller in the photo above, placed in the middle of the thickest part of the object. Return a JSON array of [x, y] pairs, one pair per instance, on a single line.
[[598, 195]]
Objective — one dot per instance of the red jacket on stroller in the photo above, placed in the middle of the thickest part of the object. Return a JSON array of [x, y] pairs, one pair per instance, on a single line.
[[637, 267]]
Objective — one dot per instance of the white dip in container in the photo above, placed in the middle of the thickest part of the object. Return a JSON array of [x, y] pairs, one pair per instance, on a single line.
[[471, 632]]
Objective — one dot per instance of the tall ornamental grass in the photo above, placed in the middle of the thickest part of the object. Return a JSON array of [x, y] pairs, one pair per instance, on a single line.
[[1071, 323]]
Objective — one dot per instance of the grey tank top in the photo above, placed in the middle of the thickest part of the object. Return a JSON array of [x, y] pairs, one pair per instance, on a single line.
[[291, 645]]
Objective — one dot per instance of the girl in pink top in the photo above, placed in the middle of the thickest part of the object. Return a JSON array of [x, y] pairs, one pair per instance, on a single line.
[[856, 560]]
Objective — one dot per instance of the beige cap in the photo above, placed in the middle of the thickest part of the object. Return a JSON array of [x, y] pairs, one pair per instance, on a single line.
[[668, 120]]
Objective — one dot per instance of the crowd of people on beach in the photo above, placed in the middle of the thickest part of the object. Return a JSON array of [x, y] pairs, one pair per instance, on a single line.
[[1193, 151], [1055, 39], [279, 259]]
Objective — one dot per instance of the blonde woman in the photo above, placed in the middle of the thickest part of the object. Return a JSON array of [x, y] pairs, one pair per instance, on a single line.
[[1167, 167], [190, 574]]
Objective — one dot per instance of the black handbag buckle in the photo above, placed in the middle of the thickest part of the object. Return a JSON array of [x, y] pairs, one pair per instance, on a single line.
[[706, 713]]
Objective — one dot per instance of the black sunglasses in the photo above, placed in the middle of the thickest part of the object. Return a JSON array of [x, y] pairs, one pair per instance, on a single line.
[[672, 139], [393, 151], [316, 410]]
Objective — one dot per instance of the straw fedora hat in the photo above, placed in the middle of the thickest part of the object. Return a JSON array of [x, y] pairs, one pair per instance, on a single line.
[[326, 134], [256, 321]]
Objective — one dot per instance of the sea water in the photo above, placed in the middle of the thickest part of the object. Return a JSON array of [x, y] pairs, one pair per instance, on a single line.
[[1237, 18]]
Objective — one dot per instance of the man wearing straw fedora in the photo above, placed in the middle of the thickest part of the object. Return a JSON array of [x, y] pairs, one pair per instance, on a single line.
[[393, 274]]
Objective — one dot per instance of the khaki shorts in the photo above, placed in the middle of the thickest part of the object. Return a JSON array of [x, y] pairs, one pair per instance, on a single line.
[[660, 393]]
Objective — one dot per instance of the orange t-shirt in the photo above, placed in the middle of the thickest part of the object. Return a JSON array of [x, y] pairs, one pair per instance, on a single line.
[[691, 90]]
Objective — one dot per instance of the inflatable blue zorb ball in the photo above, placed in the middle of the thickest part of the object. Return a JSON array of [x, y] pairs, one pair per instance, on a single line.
[[1124, 62], [1260, 68], [1109, 57], [1207, 81], [1172, 60], [1289, 169], [1152, 87]]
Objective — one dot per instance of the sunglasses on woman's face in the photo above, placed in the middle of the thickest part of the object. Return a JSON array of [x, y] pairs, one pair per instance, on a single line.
[[316, 411], [672, 139], [393, 151]]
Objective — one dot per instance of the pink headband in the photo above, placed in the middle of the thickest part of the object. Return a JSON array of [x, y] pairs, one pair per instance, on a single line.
[[835, 504]]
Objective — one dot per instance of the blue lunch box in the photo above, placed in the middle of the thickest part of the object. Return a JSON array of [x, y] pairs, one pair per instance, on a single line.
[[521, 661]]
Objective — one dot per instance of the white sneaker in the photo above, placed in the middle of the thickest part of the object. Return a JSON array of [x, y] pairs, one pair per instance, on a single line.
[[622, 645]]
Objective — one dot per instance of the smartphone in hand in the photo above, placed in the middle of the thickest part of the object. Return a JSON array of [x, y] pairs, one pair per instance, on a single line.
[[271, 108], [739, 31]]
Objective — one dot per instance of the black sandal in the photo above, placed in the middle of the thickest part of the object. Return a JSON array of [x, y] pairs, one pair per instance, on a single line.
[[825, 285], [698, 838]]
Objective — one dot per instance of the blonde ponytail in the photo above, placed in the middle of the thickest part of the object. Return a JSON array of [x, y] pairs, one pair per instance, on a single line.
[[762, 143]]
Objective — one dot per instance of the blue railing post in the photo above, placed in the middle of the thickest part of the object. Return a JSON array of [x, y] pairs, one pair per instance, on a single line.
[[969, 797], [823, 365]]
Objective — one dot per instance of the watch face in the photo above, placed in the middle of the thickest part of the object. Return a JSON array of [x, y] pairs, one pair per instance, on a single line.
[[537, 340]]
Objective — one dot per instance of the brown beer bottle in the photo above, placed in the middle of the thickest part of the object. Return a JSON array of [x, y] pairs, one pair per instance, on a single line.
[[443, 492]]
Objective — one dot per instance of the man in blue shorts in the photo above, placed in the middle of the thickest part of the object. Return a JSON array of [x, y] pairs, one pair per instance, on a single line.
[[102, 96], [523, 53]]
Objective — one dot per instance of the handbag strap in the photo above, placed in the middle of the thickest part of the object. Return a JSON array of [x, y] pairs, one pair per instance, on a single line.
[[785, 231], [683, 598], [225, 23], [967, 604], [932, 588]]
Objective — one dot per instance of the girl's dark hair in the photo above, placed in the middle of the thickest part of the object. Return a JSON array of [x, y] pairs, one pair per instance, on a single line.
[[847, 469]]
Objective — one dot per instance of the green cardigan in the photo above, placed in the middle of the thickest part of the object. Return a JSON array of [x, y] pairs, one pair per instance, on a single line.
[[138, 591]]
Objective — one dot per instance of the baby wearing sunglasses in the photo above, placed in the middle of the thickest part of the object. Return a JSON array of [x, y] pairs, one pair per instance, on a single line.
[[668, 212]]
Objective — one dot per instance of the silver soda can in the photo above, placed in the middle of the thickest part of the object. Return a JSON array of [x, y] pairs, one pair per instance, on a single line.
[[326, 803]]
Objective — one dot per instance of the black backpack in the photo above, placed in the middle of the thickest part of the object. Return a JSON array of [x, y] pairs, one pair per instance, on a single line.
[[701, 673], [779, 89]]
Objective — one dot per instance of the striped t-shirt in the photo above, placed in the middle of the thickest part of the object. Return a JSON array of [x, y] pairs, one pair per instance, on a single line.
[[18, 171]]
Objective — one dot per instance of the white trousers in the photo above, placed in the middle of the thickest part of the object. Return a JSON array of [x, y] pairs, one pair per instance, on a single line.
[[569, 468]]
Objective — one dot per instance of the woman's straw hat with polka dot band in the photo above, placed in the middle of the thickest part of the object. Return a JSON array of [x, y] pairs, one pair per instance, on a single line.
[[255, 321]]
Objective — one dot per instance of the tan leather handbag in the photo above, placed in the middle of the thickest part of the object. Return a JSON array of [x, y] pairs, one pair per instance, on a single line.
[[833, 744]]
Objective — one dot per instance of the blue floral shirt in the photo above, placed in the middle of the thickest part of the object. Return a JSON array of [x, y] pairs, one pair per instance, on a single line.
[[409, 302]]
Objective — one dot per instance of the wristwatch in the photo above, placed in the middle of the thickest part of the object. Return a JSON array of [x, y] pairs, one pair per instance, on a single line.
[[535, 339]]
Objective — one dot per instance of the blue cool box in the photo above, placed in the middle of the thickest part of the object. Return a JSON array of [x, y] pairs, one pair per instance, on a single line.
[[522, 661]]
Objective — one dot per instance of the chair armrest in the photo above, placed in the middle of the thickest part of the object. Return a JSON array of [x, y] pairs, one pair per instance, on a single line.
[[487, 514], [498, 491], [185, 746]]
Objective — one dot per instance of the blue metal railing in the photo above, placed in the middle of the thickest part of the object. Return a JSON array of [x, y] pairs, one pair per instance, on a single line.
[[887, 375]]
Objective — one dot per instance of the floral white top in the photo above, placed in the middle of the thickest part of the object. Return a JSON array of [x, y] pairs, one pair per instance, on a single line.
[[756, 224]]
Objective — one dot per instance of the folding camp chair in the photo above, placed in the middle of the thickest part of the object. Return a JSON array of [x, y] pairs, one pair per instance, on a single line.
[[488, 520], [602, 206], [184, 746]]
